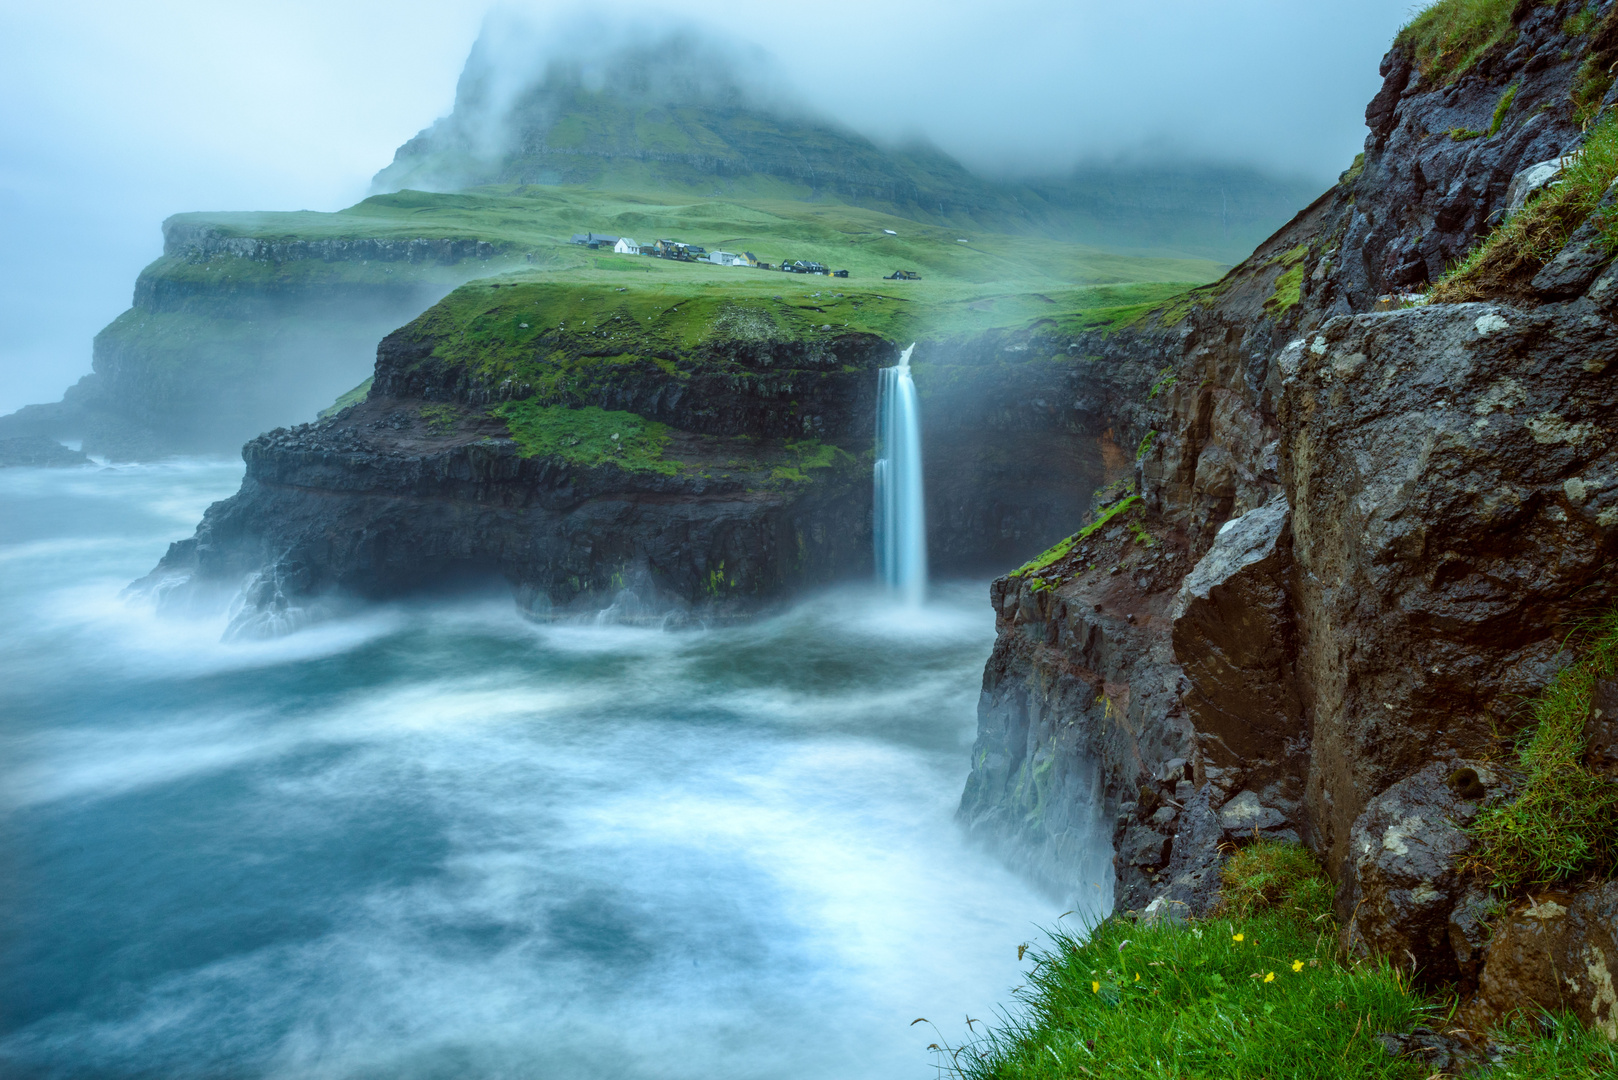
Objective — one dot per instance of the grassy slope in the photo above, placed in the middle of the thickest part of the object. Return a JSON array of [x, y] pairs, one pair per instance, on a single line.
[[1257, 991], [541, 219]]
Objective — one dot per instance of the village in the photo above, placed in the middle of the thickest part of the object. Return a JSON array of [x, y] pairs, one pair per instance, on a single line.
[[682, 252]]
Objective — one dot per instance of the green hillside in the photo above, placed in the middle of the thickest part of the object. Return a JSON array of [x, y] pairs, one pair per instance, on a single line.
[[671, 119], [530, 227]]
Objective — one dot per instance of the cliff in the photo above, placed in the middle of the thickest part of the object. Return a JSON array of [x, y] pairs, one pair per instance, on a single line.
[[1362, 529], [248, 321], [637, 450]]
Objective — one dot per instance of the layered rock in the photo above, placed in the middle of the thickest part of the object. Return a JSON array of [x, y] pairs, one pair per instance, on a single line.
[[752, 484]]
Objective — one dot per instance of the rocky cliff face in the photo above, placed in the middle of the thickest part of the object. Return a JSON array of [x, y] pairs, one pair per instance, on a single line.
[[742, 475], [229, 335], [1362, 531]]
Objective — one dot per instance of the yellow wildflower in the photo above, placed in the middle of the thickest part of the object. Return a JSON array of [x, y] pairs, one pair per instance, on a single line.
[[1270, 977], [1297, 965], [1137, 976], [1238, 937], [1095, 987]]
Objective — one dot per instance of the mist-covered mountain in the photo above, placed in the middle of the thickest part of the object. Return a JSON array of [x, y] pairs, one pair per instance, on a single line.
[[687, 114]]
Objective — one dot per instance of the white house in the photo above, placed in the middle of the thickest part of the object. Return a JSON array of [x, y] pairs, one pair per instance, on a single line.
[[626, 246], [724, 258]]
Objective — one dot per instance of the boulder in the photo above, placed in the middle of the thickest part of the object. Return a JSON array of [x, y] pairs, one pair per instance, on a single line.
[[1581, 258], [1245, 815], [1406, 887], [1144, 847], [1232, 630], [1554, 951], [1526, 182]]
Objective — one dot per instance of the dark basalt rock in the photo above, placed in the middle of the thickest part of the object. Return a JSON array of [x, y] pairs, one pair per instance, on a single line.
[[1407, 887], [1601, 729], [38, 451], [379, 501]]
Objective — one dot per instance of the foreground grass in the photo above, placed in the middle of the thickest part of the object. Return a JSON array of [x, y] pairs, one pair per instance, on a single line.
[[1259, 995], [1258, 990], [1563, 825]]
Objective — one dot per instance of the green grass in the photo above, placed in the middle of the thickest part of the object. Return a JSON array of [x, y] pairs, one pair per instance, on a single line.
[[809, 455], [1563, 824], [1590, 85], [1581, 22], [588, 437], [1255, 992], [519, 219], [1289, 285], [1276, 877], [1508, 258], [352, 397], [1501, 107], [441, 418], [1059, 551], [1258, 991], [1350, 176], [1446, 39]]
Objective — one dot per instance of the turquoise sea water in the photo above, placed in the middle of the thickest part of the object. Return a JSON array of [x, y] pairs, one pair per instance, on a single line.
[[435, 840]]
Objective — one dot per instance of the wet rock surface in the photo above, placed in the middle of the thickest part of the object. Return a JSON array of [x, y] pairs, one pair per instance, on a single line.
[[388, 498], [1405, 886]]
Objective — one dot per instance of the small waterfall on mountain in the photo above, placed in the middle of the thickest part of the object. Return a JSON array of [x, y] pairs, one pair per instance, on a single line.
[[900, 518]]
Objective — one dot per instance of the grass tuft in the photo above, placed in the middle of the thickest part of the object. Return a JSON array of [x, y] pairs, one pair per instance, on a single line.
[[1564, 822], [1258, 990], [1257, 996], [1281, 878], [1449, 37], [1501, 108], [1059, 550], [1508, 258]]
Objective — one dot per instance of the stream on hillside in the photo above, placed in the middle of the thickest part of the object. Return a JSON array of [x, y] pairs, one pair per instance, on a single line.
[[436, 840]]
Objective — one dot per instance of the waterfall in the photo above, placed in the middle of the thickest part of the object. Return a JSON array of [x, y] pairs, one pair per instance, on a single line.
[[900, 518]]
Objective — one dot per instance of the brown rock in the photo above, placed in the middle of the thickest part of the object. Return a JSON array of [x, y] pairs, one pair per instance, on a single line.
[[1556, 951], [1404, 848], [1601, 729]]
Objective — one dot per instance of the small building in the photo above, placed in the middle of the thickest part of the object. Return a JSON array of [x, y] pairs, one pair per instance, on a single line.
[[725, 258], [626, 246], [751, 260], [594, 241]]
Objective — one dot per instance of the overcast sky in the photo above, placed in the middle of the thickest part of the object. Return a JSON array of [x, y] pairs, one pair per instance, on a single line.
[[114, 115]]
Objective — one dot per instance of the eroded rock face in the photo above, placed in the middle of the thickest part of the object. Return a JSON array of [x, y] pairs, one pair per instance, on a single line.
[[1405, 885], [1234, 639], [1555, 951], [1453, 477], [1389, 520], [1601, 729]]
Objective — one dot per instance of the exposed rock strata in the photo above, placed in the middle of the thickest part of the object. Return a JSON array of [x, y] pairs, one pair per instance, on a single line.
[[380, 500]]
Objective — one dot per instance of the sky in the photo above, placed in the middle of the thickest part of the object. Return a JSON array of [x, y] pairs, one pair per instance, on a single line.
[[115, 115]]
